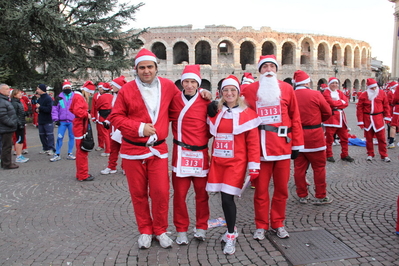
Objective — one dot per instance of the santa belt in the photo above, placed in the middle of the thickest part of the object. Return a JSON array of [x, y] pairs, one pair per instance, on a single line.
[[281, 131], [336, 109], [190, 147], [374, 113], [311, 127], [144, 144]]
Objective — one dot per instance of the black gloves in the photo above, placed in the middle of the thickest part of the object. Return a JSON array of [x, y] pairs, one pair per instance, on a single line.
[[294, 154], [213, 108], [106, 125]]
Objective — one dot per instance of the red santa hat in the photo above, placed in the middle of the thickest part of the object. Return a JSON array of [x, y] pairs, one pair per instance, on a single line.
[[332, 79], [66, 84], [301, 77], [323, 86], [267, 59], [371, 83], [191, 72], [231, 80], [247, 78], [392, 85], [100, 84], [89, 86], [106, 86], [144, 55], [118, 82]]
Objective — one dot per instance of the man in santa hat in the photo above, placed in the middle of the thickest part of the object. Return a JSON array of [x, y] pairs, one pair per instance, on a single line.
[[114, 134], [103, 107], [372, 110], [141, 114], [95, 116], [281, 137], [314, 110], [337, 123], [190, 154], [393, 99], [63, 118]]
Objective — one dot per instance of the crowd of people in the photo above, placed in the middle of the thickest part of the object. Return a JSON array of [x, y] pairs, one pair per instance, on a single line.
[[256, 128]]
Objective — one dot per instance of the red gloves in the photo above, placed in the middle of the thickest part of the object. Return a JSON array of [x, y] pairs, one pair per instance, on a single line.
[[361, 126], [253, 173]]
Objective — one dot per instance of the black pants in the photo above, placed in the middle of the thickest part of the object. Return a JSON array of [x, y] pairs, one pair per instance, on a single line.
[[6, 146], [229, 210]]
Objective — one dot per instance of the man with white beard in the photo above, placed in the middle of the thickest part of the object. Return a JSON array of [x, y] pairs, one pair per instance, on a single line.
[[281, 138], [337, 123], [372, 110]]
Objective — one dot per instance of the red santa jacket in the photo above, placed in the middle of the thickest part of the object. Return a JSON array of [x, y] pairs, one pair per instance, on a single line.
[[371, 114], [314, 110], [338, 118], [93, 110], [389, 95], [130, 113], [80, 109], [104, 102], [274, 147], [395, 102], [189, 127]]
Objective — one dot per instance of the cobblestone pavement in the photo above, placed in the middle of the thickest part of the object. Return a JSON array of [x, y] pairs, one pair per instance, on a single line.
[[48, 218]]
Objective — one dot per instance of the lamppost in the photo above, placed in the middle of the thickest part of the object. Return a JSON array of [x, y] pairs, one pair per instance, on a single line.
[[335, 69]]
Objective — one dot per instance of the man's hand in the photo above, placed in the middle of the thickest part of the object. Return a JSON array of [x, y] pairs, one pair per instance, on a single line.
[[149, 130], [206, 94], [212, 108], [106, 125], [294, 154], [361, 127], [253, 173]]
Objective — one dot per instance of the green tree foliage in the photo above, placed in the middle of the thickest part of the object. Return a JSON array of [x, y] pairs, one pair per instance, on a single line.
[[46, 41]]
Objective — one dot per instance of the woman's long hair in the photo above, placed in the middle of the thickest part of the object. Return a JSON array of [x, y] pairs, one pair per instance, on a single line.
[[15, 92]]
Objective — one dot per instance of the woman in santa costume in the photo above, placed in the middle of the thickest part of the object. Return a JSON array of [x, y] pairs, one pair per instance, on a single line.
[[190, 154], [80, 108], [235, 148]]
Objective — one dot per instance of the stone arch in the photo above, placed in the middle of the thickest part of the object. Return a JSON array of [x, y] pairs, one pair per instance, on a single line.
[[97, 51], [356, 58], [226, 52], [117, 50], [306, 51], [206, 84], [203, 53], [287, 53], [139, 43], [356, 85], [347, 83], [336, 54], [180, 53], [269, 48], [247, 54], [364, 57], [159, 49], [322, 52], [348, 56], [363, 86], [178, 84]]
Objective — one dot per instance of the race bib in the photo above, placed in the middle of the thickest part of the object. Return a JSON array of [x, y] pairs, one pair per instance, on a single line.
[[192, 162], [269, 114], [224, 145]]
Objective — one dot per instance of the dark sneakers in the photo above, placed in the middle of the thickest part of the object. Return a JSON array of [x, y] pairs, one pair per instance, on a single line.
[[11, 166], [89, 178], [331, 159], [348, 159]]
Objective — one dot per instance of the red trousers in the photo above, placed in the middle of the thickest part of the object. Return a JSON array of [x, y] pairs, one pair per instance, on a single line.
[[342, 133], [82, 161], [382, 142], [114, 154], [280, 171], [100, 135], [301, 164], [101, 130], [149, 178], [181, 186]]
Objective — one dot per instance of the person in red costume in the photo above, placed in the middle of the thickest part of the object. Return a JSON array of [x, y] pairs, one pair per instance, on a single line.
[[314, 110], [103, 107], [235, 148], [190, 159], [393, 99], [115, 138], [337, 123], [372, 110], [141, 114], [281, 138], [95, 115], [80, 108]]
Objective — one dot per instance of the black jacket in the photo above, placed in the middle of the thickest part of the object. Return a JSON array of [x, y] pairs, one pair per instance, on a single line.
[[46, 105], [20, 112], [8, 118]]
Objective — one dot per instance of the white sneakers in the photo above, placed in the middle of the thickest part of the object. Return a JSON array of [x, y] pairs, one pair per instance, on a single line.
[[199, 234], [259, 234], [108, 171], [230, 240], [281, 232], [164, 240], [104, 154], [181, 238], [386, 159], [145, 241], [369, 158]]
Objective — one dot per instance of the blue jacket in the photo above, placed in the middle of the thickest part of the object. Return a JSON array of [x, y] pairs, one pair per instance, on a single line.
[[46, 105], [60, 111]]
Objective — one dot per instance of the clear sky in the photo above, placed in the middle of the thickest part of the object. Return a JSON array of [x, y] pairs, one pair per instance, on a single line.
[[367, 20]]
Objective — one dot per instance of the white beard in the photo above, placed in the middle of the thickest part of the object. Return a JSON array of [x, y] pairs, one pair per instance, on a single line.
[[372, 94], [269, 92]]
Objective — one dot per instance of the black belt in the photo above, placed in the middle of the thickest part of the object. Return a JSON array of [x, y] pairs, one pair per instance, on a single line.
[[335, 109], [144, 144], [190, 147], [374, 113], [311, 127], [281, 131]]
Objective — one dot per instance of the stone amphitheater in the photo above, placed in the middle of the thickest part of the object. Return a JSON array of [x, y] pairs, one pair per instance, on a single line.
[[224, 50]]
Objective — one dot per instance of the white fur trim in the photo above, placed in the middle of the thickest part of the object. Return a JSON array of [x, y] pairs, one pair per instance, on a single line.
[[372, 86], [115, 84], [333, 80], [302, 82], [265, 60], [86, 89], [191, 76], [233, 82], [145, 58]]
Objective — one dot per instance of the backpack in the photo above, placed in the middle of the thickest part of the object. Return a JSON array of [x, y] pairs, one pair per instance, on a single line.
[[88, 140]]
